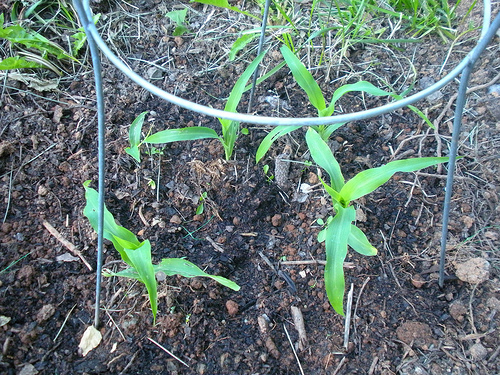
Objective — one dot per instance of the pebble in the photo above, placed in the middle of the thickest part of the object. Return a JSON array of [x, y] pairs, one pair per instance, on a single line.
[[458, 310]]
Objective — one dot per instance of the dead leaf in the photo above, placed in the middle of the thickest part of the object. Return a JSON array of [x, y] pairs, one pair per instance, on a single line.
[[4, 320], [66, 257], [90, 340]]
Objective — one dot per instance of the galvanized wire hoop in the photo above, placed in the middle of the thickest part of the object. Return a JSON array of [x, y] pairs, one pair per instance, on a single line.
[[465, 67]]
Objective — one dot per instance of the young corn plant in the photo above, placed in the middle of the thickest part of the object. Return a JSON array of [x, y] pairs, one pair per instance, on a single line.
[[230, 129], [137, 254], [340, 232], [306, 81]]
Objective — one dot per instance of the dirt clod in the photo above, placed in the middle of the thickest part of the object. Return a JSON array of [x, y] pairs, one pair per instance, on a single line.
[[276, 220], [473, 271], [416, 333], [478, 351], [45, 313], [232, 307]]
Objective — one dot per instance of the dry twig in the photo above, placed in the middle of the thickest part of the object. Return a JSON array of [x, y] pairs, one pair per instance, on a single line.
[[53, 231], [293, 349]]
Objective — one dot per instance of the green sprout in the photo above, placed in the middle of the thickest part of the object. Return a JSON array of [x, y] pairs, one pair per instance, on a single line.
[[230, 129], [306, 81], [201, 207], [340, 232], [137, 255]]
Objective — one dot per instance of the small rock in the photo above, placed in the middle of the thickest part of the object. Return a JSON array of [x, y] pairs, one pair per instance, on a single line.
[[175, 219], [478, 351], [474, 271], [276, 220], [232, 307], [236, 220], [28, 369], [198, 218], [458, 310]]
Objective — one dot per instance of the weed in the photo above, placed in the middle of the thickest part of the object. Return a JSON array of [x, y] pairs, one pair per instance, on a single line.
[[201, 207], [137, 254], [41, 51], [340, 232], [179, 18]]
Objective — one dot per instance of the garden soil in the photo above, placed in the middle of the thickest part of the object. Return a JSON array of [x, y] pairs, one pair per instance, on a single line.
[[253, 231]]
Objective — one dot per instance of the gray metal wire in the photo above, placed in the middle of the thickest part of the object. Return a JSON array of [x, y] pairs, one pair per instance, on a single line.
[[465, 67], [266, 120]]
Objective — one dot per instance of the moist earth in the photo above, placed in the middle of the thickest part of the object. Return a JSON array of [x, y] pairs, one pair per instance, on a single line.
[[258, 233]]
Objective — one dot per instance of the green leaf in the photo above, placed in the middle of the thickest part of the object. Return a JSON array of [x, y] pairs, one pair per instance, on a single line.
[[184, 134], [277, 132], [80, 36], [178, 16], [134, 135], [134, 253], [358, 86], [323, 156], [111, 230], [367, 181], [337, 235], [18, 62], [177, 266], [359, 243], [333, 193], [142, 263], [32, 39], [304, 79], [239, 44], [224, 4], [231, 128]]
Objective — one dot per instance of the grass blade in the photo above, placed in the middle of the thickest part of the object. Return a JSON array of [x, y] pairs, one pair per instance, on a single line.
[[304, 78], [367, 181], [177, 266], [225, 4], [323, 156], [337, 235], [183, 134]]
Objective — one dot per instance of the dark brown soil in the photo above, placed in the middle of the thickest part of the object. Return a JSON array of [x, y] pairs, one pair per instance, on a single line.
[[402, 322]]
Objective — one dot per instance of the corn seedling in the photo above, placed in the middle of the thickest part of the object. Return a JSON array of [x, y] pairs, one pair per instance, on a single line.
[[340, 232], [306, 81], [137, 255], [230, 129]]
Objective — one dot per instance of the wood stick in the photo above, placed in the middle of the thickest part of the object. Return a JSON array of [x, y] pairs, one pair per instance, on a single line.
[[53, 231]]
